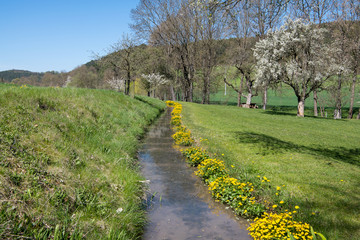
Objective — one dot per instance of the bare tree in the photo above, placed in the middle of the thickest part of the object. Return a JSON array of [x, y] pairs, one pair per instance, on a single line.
[[84, 77], [210, 27], [170, 23], [347, 33], [121, 61], [343, 33]]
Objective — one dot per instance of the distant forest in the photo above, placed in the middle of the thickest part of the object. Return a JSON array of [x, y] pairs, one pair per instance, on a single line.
[[9, 75]]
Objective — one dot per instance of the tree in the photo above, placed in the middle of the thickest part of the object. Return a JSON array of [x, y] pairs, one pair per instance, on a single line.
[[152, 82], [84, 77], [170, 23], [347, 32], [53, 79], [242, 55], [314, 11], [121, 61], [297, 56], [265, 15]]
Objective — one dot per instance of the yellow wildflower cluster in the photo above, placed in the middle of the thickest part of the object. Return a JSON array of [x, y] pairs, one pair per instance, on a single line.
[[222, 187], [182, 135], [183, 138], [170, 103], [195, 155], [237, 194], [277, 226], [210, 169]]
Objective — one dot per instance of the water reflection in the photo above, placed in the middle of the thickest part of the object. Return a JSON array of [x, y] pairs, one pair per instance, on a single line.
[[180, 206]]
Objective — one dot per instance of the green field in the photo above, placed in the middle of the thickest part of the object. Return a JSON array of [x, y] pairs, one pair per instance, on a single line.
[[68, 164], [317, 159]]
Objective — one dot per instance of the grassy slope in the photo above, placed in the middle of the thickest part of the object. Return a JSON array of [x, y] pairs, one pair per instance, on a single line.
[[309, 155], [67, 160]]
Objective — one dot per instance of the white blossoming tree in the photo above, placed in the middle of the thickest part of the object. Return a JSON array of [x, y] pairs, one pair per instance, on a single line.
[[153, 81], [117, 84], [296, 55]]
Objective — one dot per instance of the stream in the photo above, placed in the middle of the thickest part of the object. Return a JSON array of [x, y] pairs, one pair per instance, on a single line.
[[179, 205]]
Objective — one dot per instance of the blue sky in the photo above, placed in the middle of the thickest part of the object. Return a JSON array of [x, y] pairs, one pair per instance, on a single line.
[[59, 35]]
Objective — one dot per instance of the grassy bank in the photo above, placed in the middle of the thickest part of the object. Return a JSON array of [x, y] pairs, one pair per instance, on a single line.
[[67, 163], [317, 160]]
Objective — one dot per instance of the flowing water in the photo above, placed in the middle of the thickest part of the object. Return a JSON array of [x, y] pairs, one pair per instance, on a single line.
[[180, 205]]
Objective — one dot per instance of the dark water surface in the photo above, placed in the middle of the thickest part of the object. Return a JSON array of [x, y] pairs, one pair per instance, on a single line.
[[179, 205]]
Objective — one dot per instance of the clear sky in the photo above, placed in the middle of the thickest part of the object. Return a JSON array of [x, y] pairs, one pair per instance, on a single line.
[[59, 35]]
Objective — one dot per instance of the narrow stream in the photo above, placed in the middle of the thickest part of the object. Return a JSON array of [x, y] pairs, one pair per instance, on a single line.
[[180, 205]]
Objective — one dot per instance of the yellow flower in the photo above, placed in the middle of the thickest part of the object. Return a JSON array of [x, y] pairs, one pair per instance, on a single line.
[[297, 207], [278, 188], [274, 206], [281, 202]]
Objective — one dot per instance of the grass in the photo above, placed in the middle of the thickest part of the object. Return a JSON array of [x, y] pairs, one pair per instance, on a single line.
[[317, 159], [68, 164], [284, 99]]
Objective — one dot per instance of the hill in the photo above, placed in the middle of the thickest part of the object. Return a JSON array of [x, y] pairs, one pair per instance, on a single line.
[[68, 167], [9, 75]]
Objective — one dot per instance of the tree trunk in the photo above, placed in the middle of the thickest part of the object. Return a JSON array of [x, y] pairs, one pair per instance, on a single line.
[[265, 98], [352, 97], [127, 84], [248, 100], [315, 103], [206, 91], [240, 90], [337, 111], [301, 107], [173, 97], [239, 99]]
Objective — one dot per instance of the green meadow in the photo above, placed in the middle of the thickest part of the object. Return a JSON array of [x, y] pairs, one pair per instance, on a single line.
[[315, 161], [284, 99], [68, 166]]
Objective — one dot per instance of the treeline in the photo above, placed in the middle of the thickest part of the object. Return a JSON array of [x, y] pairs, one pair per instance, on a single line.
[[8, 76], [190, 34], [185, 49]]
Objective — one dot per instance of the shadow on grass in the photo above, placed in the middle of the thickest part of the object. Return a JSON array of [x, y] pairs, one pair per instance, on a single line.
[[343, 223], [268, 145], [309, 113]]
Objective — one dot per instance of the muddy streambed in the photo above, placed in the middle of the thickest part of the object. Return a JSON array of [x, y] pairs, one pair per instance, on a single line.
[[179, 204]]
